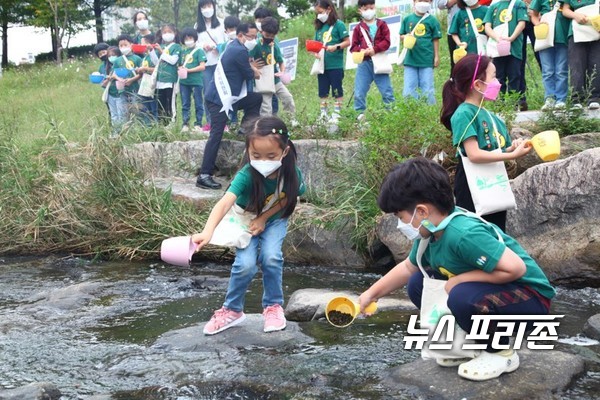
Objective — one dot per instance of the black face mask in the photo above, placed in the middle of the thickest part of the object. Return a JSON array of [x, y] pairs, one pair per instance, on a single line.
[[267, 40], [104, 58]]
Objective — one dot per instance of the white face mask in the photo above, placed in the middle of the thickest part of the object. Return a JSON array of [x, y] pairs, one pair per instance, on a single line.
[[259, 26], [323, 17], [265, 167], [208, 12], [408, 230], [190, 44], [368, 14], [168, 37], [471, 3], [250, 44], [232, 35], [125, 50], [142, 24], [422, 7]]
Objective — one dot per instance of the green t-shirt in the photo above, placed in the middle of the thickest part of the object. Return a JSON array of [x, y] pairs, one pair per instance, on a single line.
[[191, 58], [562, 25], [461, 26], [166, 72], [333, 60], [263, 51], [482, 128], [147, 61], [469, 244], [497, 15], [575, 4], [133, 62], [421, 55], [241, 186], [112, 90]]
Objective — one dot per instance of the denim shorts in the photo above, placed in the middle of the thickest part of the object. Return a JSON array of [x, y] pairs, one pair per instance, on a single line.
[[332, 78]]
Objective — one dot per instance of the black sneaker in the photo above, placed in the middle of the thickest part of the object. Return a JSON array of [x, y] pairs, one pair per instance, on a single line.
[[207, 183]]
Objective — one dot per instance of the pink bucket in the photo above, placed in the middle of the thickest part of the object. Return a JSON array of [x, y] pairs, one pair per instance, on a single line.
[[503, 48], [178, 250], [285, 78], [182, 73], [120, 85]]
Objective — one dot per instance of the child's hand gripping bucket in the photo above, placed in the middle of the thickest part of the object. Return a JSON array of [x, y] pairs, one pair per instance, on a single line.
[[341, 311], [547, 145], [178, 250], [409, 41]]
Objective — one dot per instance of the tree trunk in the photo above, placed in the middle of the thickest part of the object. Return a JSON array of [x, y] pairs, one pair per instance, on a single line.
[[176, 4], [4, 43], [273, 4], [99, 23], [340, 10], [53, 36]]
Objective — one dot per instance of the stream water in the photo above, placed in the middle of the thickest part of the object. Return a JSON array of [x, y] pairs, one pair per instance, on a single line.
[[102, 343]]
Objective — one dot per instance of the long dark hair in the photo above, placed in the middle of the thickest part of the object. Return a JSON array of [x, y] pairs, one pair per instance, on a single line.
[[333, 17], [200, 22], [274, 128], [458, 86]]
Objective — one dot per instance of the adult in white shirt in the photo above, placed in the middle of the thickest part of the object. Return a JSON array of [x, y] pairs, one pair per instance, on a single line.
[[452, 8], [211, 33]]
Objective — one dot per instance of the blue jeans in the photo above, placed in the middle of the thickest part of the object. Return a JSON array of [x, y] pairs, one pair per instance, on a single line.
[[555, 71], [118, 112], [208, 75], [245, 266], [186, 93], [419, 78], [149, 111], [365, 75], [481, 298]]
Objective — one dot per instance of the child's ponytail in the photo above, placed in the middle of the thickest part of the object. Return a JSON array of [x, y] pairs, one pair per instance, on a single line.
[[457, 88]]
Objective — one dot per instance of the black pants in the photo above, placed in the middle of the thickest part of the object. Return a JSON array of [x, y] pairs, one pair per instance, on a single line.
[[527, 33], [451, 46], [508, 72], [251, 106], [464, 199], [165, 104], [583, 59]]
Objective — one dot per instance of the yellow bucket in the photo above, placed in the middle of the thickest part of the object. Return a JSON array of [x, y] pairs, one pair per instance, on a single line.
[[595, 21], [341, 311], [409, 41], [541, 31], [547, 145], [358, 57], [459, 53]]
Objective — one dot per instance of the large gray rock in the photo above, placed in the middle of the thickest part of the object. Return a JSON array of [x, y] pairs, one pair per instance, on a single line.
[[592, 327], [33, 391], [308, 243], [558, 217], [247, 334], [309, 304], [387, 231], [182, 159], [541, 375], [66, 298]]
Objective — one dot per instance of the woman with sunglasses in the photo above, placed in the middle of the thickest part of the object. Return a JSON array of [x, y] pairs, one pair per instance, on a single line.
[[475, 130]]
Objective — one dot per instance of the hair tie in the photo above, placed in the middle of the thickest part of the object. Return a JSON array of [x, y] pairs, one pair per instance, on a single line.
[[280, 131]]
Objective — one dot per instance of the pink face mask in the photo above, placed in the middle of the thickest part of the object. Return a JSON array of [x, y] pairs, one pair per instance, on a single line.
[[492, 89]]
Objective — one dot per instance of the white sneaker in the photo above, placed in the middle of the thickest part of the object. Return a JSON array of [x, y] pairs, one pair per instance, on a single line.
[[489, 365], [594, 105], [577, 106], [185, 129], [360, 117], [560, 105], [549, 104]]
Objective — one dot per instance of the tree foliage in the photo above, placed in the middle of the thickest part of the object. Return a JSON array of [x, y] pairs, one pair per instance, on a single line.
[[12, 12], [181, 13]]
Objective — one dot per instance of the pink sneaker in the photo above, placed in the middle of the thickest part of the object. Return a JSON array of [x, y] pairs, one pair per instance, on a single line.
[[206, 128], [274, 318], [223, 319]]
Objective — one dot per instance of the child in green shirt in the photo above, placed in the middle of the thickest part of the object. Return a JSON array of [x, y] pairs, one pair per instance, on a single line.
[[425, 55], [169, 52], [462, 30], [149, 112], [129, 61], [193, 60], [335, 37], [487, 271]]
